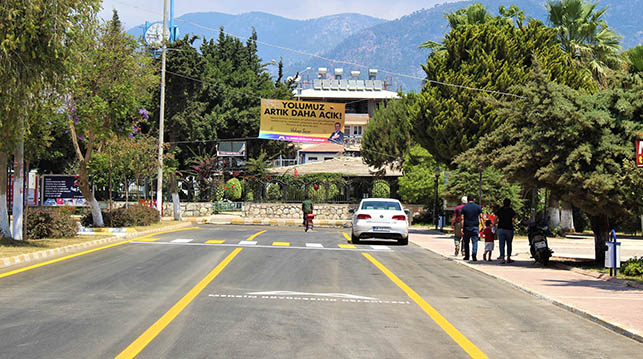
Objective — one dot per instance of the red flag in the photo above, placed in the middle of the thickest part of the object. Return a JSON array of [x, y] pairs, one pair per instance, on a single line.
[[296, 174]]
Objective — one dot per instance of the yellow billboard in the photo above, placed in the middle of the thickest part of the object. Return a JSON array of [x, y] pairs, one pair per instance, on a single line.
[[302, 121]]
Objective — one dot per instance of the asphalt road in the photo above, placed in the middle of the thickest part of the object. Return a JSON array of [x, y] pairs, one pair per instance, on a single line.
[[282, 294]]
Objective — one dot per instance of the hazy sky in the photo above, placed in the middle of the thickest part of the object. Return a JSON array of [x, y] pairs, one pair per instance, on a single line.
[[135, 12]]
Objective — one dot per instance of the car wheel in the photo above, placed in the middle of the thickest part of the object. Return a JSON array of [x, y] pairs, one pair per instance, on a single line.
[[354, 238], [403, 241]]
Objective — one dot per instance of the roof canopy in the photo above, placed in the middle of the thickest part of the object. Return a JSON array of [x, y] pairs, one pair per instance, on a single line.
[[351, 166]]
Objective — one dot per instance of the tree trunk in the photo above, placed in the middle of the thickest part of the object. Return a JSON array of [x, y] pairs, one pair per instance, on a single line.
[[566, 217], [642, 225], [126, 193], [601, 228], [85, 189], [5, 229], [18, 190], [554, 212], [176, 203]]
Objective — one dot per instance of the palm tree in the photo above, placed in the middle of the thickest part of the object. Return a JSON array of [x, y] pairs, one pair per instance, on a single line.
[[586, 36], [475, 14]]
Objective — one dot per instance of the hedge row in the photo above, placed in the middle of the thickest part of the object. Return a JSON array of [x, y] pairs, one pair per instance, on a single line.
[[49, 223], [135, 215]]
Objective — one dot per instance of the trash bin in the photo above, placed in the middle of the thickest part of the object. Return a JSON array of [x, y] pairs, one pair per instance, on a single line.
[[613, 255]]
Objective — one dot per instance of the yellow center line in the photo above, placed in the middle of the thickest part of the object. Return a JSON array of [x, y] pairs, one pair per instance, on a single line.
[[24, 269], [252, 237], [348, 238], [142, 341], [455, 334]]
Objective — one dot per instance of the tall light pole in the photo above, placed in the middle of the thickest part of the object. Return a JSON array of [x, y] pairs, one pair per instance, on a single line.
[[159, 181], [435, 206]]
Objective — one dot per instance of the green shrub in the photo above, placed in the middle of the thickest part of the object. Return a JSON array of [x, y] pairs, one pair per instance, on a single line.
[[49, 223], [219, 191], [273, 192], [136, 215], [633, 267], [317, 195], [233, 189], [381, 189], [250, 197], [333, 191]]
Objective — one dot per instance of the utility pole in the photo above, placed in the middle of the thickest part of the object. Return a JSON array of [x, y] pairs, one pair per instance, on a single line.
[[159, 182]]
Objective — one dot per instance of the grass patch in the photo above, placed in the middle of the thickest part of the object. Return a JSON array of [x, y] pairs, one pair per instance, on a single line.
[[10, 248], [591, 265], [158, 225]]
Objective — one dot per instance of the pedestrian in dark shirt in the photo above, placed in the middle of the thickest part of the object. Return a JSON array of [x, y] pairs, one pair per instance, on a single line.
[[471, 215], [505, 221], [457, 227]]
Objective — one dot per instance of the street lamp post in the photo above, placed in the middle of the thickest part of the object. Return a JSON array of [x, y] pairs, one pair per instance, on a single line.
[[435, 206]]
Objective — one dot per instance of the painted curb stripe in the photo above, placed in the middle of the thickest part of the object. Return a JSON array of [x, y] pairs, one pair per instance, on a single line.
[[252, 237], [455, 334], [215, 241], [283, 244], [59, 251], [142, 341]]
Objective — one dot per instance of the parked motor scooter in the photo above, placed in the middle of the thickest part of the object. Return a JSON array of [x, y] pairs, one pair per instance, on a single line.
[[538, 247]]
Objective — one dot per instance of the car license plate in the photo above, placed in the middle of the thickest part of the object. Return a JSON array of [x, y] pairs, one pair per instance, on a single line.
[[381, 229], [540, 244]]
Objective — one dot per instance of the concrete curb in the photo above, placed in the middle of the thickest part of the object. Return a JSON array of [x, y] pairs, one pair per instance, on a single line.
[[594, 318], [86, 230], [75, 248]]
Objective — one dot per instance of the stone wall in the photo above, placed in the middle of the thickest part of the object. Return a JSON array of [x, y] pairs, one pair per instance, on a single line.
[[188, 209], [293, 210]]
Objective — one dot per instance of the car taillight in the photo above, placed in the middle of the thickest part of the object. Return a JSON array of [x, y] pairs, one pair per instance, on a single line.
[[400, 217], [363, 216]]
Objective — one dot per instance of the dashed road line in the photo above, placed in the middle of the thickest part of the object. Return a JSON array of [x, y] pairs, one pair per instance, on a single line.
[[248, 243], [181, 240], [314, 245], [283, 244], [347, 246], [215, 241]]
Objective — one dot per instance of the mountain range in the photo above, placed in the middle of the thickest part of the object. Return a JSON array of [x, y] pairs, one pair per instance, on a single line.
[[390, 46]]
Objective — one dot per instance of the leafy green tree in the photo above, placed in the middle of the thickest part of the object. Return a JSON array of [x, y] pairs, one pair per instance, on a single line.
[[111, 81], [585, 36], [36, 39], [574, 143], [418, 183], [635, 59], [492, 56], [387, 138]]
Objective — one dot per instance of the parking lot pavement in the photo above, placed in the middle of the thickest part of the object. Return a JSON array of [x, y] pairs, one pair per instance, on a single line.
[[611, 303]]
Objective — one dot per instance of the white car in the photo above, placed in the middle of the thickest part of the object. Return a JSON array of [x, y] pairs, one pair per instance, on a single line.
[[380, 218]]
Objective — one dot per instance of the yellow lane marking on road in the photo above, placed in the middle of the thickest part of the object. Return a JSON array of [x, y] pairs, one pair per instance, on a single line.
[[142, 341], [284, 244], [347, 246], [455, 334], [252, 237], [348, 238], [215, 241], [2, 275]]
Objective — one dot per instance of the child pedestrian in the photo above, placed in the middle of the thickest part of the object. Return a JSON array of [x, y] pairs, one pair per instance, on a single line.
[[489, 237]]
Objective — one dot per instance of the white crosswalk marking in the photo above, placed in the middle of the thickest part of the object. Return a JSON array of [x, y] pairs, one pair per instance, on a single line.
[[380, 247], [314, 245], [182, 240], [248, 243]]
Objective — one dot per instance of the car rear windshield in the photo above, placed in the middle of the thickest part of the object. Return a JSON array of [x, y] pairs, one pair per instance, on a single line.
[[381, 205]]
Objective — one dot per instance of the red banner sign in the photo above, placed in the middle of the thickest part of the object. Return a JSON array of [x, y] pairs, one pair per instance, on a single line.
[[639, 153]]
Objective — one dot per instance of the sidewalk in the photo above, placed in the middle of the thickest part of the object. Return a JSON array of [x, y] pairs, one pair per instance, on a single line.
[[611, 303]]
